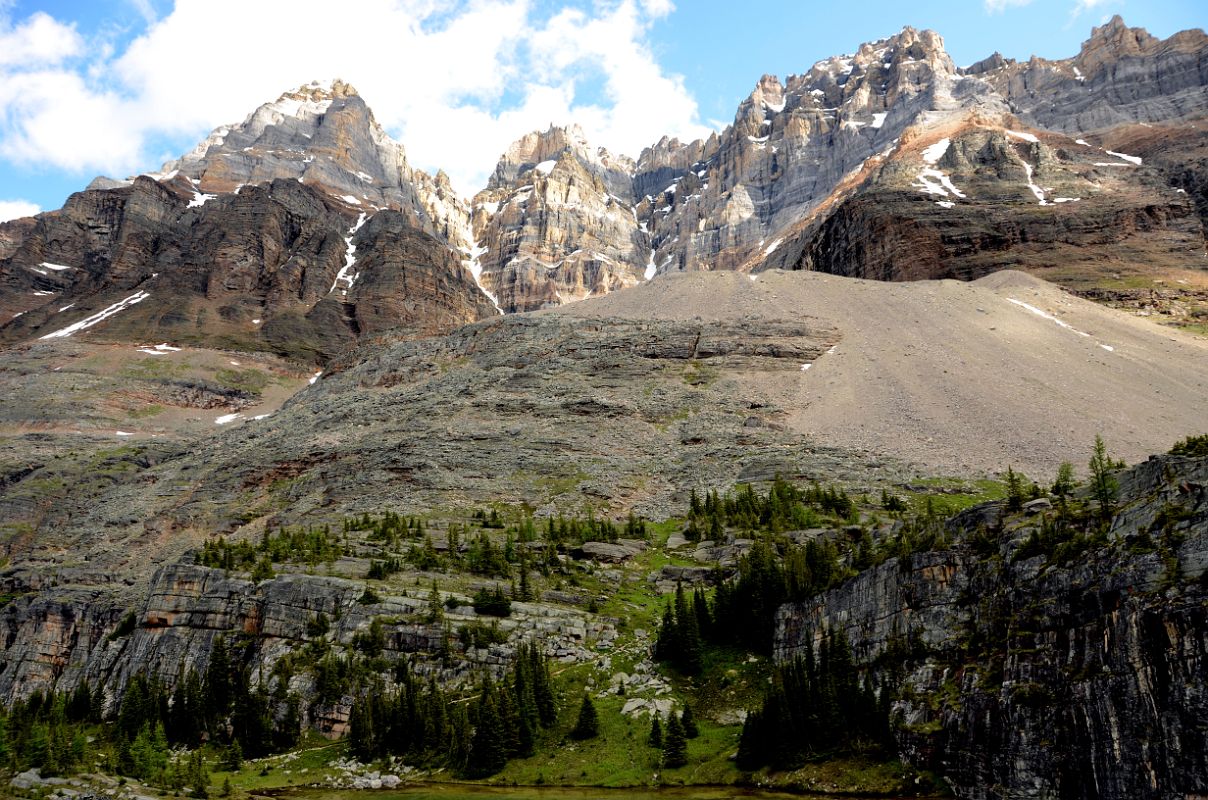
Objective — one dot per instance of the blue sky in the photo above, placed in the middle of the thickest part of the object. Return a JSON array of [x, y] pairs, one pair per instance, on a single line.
[[118, 87]]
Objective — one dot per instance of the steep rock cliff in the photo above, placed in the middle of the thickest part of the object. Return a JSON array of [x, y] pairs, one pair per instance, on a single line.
[[1009, 651]]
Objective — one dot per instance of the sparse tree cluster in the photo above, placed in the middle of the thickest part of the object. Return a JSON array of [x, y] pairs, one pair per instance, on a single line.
[[784, 507], [419, 722], [815, 707]]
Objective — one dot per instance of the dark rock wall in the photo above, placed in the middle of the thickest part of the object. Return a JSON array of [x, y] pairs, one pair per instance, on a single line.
[[1078, 680]]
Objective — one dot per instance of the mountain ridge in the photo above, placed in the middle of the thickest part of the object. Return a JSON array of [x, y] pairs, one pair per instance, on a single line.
[[560, 221]]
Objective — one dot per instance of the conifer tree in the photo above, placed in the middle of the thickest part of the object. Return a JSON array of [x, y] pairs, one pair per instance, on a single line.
[[588, 724], [675, 745], [655, 739], [688, 721], [1103, 484]]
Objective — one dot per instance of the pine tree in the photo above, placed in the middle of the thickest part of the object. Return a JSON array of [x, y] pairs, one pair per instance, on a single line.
[[675, 745], [655, 738], [688, 720], [1064, 483], [1103, 483], [487, 755], [588, 724], [1014, 490]]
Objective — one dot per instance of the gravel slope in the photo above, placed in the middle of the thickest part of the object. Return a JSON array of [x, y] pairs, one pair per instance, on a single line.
[[956, 376]]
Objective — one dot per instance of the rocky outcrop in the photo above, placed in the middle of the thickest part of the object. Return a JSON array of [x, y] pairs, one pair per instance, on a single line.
[[987, 197], [822, 171], [556, 224], [1105, 652], [324, 135], [1121, 76], [187, 609], [279, 266]]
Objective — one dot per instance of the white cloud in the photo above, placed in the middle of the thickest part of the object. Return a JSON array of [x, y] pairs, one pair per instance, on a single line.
[[455, 81], [38, 40], [15, 209], [999, 6], [1082, 6], [55, 118]]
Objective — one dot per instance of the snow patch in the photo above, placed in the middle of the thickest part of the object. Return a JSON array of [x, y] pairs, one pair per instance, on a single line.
[[772, 247], [227, 418], [88, 322], [1047, 316], [804, 367], [935, 152], [1108, 348], [200, 199], [878, 119], [123, 433], [56, 267], [315, 377], [347, 198], [64, 308], [1082, 142], [346, 275], [1027, 137], [651, 267], [1036, 190], [546, 167], [945, 203], [1130, 159], [941, 189], [159, 349], [474, 265]]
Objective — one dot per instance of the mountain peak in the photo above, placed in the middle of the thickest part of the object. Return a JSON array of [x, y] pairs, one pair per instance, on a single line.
[[1114, 40]]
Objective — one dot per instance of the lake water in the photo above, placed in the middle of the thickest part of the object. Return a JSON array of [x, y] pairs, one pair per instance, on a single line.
[[457, 792]]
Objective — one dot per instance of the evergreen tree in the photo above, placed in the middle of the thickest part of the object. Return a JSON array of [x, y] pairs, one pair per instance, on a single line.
[[675, 745], [655, 738], [688, 721], [1103, 484], [1014, 490], [588, 724], [487, 754], [1064, 484]]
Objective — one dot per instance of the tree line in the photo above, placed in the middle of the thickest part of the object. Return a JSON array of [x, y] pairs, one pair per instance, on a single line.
[[426, 725]]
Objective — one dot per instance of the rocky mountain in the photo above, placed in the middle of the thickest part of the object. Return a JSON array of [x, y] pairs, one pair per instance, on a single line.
[[300, 231], [890, 162], [833, 170], [748, 343]]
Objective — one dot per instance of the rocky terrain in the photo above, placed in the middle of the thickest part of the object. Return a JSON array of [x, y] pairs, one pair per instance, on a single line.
[[628, 401], [858, 283], [1014, 650], [890, 163], [256, 241]]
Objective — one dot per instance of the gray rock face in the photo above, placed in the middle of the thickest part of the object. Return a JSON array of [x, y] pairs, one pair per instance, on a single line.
[[559, 222], [279, 266], [1121, 75], [1106, 654], [324, 135], [58, 643]]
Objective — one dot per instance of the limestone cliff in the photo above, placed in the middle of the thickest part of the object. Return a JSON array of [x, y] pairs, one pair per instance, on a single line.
[[1009, 652]]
